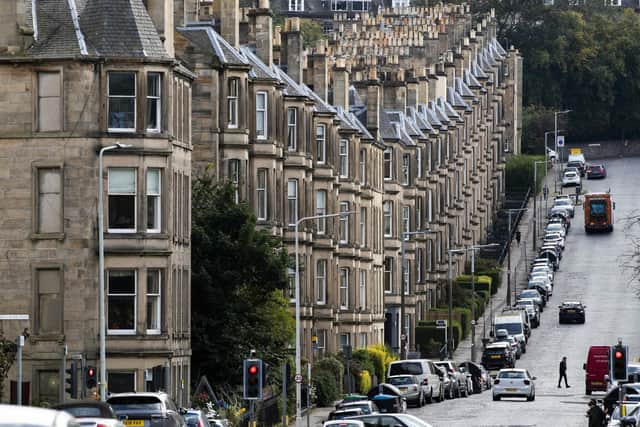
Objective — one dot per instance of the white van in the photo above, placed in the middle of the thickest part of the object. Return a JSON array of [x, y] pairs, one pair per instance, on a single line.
[[514, 323], [427, 373]]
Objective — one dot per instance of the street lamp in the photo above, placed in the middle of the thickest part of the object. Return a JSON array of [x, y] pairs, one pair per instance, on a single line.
[[535, 197], [298, 356], [473, 250], [404, 333], [555, 116], [102, 326], [510, 211], [450, 280]]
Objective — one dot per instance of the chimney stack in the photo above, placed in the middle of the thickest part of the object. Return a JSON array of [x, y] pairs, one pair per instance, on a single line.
[[230, 21], [165, 15], [373, 101], [341, 84], [262, 21], [320, 71], [291, 50]]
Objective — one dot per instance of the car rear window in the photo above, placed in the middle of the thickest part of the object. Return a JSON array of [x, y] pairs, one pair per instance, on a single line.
[[512, 328], [401, 380], [511, 374], [84, 411], [406, 368], [137, 404]]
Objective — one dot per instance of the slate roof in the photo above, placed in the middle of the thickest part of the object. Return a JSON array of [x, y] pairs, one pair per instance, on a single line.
[[454, 98], [259, 70], [393, 126], [430, 116], [113, 28], [420, 119], [208, 41], [291, 87]]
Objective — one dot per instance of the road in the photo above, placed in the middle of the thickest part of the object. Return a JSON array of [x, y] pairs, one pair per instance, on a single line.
[[590, 271]]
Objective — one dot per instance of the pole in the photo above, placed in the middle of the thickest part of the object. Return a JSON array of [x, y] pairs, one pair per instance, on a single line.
[[298, 362], [535, 196], [284, 394], [63, 373], [473, 306], [308, 394], [19, 373], [403, 337], [450, 324], [509, 262]]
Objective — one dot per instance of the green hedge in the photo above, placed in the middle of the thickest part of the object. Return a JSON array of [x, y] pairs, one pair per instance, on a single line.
[[327, 389], [426, 331], [481, 283], [519, 172]]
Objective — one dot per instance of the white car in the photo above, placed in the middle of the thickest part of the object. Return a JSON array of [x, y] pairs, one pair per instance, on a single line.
[[555, 237], [13, 415], [552, 154], [514, 383], [343, 423], [567, 204], [570, 178], [555, 227], [540, 269]]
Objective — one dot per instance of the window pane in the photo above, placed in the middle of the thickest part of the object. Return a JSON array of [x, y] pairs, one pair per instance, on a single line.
[[122, 212], [122, 282], [49, 84], [153, 181], [49, 114], [260, 101], [122, 83], [121, 312], [153, 84], [49, 201], [121, 382], [122, 181], [122, 113], [48, 386], [153, 105], [49, 301]]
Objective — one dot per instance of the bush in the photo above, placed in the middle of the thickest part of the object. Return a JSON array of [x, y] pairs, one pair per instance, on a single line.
[[333, 366], [481, 283], [519, 173], [381, 356], [364, 382], [327, 390]]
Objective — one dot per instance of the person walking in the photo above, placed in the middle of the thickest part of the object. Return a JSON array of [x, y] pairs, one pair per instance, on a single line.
[[595, 414], [563, 372], [518, 235]]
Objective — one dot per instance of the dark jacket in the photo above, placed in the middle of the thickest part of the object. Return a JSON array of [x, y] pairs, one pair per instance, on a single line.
[[563, 367], [596, 416]]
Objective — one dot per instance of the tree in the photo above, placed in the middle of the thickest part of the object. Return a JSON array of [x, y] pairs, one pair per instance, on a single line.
[[239, 274], [311, 32], [8, 349]]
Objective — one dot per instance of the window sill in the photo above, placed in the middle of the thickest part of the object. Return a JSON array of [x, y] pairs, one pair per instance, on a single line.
[[47, 337], [138, 337], [47, 236], [136, 235]]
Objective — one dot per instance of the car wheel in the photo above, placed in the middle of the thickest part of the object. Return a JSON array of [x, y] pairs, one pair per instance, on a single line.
[[430, 397], [587, 392], [457, 391], [451, 392], [441, 394], [496, 397], [524, 349], [531, 398]]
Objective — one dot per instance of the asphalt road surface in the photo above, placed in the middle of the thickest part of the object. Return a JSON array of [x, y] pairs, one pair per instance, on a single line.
[[591, 271]]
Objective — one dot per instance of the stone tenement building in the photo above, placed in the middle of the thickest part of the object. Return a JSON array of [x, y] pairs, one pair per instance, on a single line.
[[77, 76], [403, 118]]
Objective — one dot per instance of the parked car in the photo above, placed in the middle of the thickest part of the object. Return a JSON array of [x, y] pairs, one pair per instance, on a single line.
[[611, 397], [571, 311], [514, 383], [556, 239], [395, 420], [535, 296], [497, 356], [411, 387], [566, 204], [388, 398], [578, 164], [343, 423], [596, 171], [426, 371], [570, 178], [367, 406], [450, 384], [91, 413], [148, 409], [542, 269], [13, 415], [533, 311], [552, 154], [479, 376], [461, 378], [555, 227], [196, 418], [503, 336], [341, 414], [543, 280]]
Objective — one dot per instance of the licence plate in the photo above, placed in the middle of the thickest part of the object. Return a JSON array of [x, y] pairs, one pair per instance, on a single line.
[[403, 389], [571, 311], [511, 389], [133, 423], [495, 356], [596, 382]]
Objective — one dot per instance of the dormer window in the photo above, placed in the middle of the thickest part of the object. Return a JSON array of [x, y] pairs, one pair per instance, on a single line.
[[122, 101]]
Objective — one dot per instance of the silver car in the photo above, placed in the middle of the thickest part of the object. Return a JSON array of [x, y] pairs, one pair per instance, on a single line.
[[533, 311], [13, 415], [566, 204]]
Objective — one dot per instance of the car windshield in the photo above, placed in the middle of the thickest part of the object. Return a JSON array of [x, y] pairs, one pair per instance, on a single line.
[[193, 420], [346, 424], [597, 207], [570, 174], [411, 421], [406, 368], [562, 202], [84, 411], [135, 404], [401, 380], [512, 328], [511, 374], [529, 294], [525, 304]]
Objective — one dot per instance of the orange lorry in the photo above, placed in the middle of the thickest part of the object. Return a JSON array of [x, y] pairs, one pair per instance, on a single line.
[[598, 212]]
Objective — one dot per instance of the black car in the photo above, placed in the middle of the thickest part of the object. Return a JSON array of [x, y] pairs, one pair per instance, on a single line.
[[148, 409], [87, 409], [479, 376], [571, 312], [497, 356]]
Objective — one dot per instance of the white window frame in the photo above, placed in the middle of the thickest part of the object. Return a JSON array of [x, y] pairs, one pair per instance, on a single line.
[[44, 95], [321, 343], [262, 195], [321, 143], [264, 112], [158, 296], [135, 304], [406, 220], [233, 94], [135, 106], [344, 223], [343, 291], [387, 272], [292, 129], [419, 160], [387, 160], [291, 282], [419, 252], [321, 209], [387, 221], [343, 154], [429, 256], [362, 295], [157, 202], [363, 227], [321, 281], [135, 202], [292, 201], [158, 105], [406, 276], [406, 169], [296, 5], [363, 166], [419, 206], [430, 206]]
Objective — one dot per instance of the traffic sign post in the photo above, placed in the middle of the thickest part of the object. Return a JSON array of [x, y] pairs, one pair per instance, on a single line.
[[442, 324]]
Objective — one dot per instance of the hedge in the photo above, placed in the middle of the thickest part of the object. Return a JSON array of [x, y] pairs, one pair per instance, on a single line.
[[481, 283], [364, 382], [427, 331], [327, 390]]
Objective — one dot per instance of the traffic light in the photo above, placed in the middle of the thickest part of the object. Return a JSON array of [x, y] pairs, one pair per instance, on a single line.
[[619, 362], [90, 377], [71, 379], [252, 379]]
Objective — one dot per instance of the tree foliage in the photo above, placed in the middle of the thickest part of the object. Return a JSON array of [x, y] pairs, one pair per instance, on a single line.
[[579, 57], [8, 349], [239, 274]]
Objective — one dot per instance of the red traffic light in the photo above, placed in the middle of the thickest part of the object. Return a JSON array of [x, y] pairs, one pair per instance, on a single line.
[[618, 355], [91, 372], [253, 369]]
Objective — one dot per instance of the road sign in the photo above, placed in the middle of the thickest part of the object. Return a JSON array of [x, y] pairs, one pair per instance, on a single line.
[[298, 378], [560, 141], [440, 324]]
